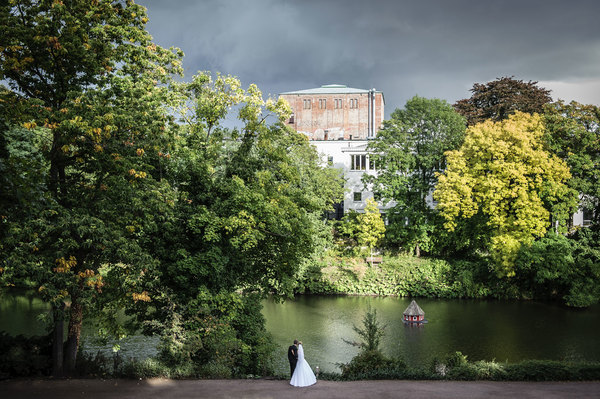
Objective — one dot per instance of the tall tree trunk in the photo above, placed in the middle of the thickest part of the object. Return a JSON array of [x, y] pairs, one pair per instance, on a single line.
[[74, 334], [57, 341]]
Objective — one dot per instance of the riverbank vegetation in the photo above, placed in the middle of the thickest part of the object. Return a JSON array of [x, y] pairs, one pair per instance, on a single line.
[[555, 268], [123, 191]]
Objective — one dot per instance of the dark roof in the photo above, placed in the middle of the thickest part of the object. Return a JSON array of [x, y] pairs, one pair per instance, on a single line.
[[414, 310]]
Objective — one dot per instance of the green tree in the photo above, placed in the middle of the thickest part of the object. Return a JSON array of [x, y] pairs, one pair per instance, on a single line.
[[370, 361], [563, 267], [345, 232], [88, 88], [504, 174], [498, 99], [22, 171], [248, 212], [407, 153], [573, 133], [371, 333], [371, 227], [584, 289]]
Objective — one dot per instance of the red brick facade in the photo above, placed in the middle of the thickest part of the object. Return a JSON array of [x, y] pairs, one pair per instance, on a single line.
[[336, 112]]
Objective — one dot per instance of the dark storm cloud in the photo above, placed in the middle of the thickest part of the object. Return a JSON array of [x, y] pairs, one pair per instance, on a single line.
[[430, 48]]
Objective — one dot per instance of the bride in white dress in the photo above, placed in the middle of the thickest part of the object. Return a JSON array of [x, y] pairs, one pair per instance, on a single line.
[[303, 375]]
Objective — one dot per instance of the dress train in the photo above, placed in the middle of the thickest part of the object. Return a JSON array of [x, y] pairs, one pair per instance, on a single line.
[[303, 375]]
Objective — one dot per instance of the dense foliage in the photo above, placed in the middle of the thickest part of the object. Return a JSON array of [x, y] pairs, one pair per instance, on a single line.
[[247, 213], [87, 104], [500, 98], [504, 173], [573, 133], [370, 226], [22, 356], [113, 205], [561, 267], [407, 154], [405, 276]]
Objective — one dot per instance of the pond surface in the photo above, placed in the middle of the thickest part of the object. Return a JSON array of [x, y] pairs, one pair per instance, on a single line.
[[24, 313], [482, 330]]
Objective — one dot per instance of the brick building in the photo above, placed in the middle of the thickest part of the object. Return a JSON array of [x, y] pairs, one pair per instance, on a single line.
[[336, 112], [339, 121]]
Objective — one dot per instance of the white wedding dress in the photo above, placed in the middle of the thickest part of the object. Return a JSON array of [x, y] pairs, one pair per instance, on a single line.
[[303, 375]]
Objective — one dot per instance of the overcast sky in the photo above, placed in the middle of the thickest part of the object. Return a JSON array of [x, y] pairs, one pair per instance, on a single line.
[[434, 49]]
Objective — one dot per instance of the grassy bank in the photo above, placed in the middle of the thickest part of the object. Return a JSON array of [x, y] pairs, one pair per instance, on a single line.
[[405, 276]]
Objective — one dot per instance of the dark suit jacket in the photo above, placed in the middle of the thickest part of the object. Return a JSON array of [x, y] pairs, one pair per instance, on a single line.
[[293, 354]]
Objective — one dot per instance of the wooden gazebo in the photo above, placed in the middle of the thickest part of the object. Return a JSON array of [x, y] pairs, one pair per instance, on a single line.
[[414, 314]]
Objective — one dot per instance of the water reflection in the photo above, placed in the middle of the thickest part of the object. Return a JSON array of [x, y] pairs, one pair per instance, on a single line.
[[23, 313]]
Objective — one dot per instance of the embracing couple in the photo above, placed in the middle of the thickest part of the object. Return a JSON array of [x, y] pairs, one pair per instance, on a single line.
[[302, 374]]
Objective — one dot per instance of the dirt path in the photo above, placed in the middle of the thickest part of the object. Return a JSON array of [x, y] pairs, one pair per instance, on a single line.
[[181, 389]]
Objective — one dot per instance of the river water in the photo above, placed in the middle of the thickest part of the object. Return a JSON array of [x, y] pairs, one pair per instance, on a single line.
[[482, 330]]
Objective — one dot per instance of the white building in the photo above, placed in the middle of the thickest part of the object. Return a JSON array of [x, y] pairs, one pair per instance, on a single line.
[[352, 158]]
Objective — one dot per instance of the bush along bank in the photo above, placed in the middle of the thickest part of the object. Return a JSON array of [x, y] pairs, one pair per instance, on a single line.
[[404, 276], [463, 370]]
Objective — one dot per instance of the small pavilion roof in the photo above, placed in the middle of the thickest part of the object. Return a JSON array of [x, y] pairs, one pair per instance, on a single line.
[[414, 310]]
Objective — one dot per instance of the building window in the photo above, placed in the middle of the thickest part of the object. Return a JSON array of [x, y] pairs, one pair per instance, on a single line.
[[307, 104], [354, 103], [357, 196], [330, 160], [291, 121], [587, 217], [322, 103], [372, 165], [358, 162], [338, 103]]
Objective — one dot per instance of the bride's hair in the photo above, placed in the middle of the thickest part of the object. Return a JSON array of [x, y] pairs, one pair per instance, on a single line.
[[299, 342]]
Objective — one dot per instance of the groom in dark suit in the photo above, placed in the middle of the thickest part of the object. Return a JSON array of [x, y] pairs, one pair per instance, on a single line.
[[293, 356]]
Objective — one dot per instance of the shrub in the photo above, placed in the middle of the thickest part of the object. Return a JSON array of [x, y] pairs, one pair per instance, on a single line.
[[371, 333], [456, 359], [218, 336], [372, 364], [480, 370], [22, 356], [216, 369], [539, 370], [562, 267], [147, 368], [89, 365], [402, 276]]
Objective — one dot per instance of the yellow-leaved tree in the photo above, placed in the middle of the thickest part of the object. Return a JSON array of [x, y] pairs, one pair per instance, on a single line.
[[504, 173], [371, 227]]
